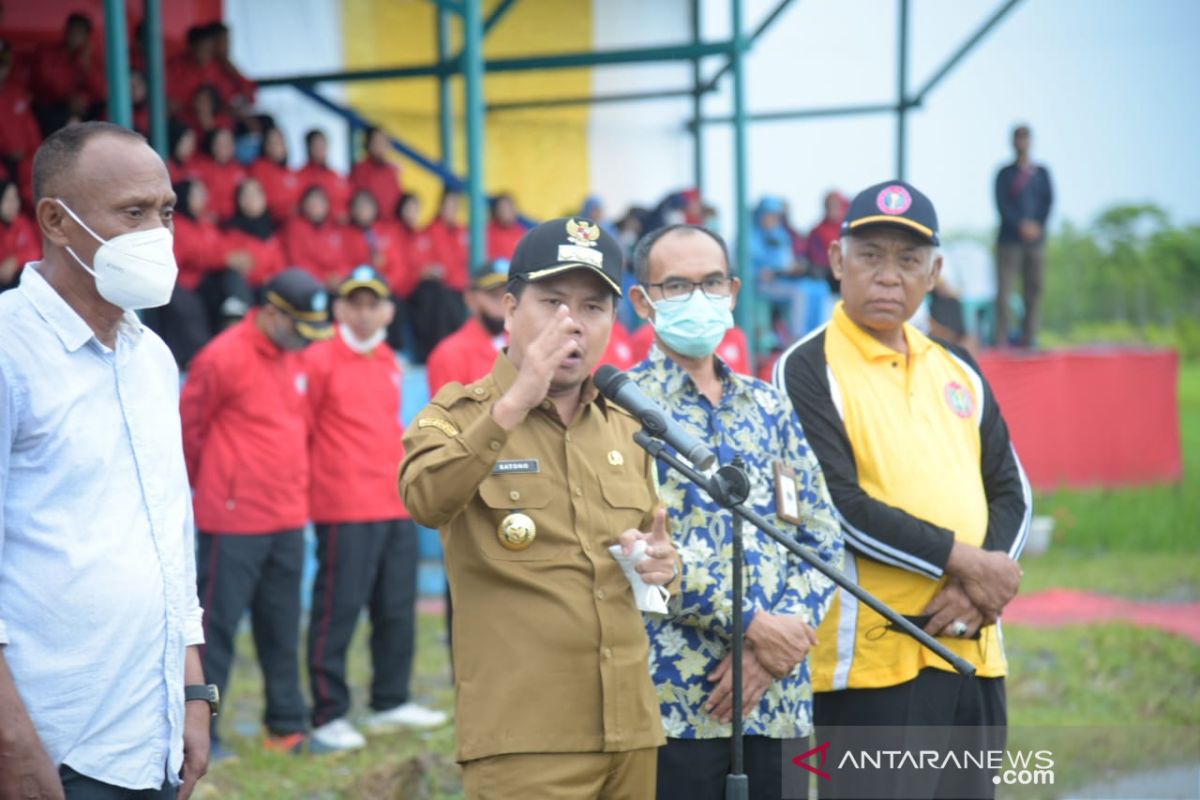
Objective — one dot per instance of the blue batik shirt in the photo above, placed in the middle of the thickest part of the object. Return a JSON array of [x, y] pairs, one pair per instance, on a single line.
[[754, 420]]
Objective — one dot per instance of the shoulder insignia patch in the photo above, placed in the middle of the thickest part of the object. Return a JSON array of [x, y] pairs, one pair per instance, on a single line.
[[436, 422]]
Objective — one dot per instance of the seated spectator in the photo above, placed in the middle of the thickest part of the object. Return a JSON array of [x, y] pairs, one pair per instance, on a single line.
[[219, 171], [210, 288], [205, 113], [19, 133], [504, 230], [593, 209], [435, 307], [252, 231], [448, 243], [376, 173], [371, 242], [313, 241], [775, 265], [826, 232], [181, 143], [237, 91], [191, 69], [20, 240], [67, 80], [281, 184], [139, 98], [316, 173], [413, 243]]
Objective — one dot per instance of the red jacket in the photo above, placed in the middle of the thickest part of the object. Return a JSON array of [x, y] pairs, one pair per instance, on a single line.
[[356, 444], [180, 171], [382, 180], [245, 433], [502, 240], [281, 185], [464, 356], [185, 77], [732, 349], [383, 248], [21, 239], [318, 249], [222, 181], [336, 187], [267, 254], [19, 133], [448, 247], [620, 351], [200, 248], [414, 253], [58, 75]]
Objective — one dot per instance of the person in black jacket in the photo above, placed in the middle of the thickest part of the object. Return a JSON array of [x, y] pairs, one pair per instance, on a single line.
[[1023, 197]]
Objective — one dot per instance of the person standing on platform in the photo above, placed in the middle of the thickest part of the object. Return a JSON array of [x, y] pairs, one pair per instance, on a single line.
[[366, 544], [686, 293], [532, 476], [932, 500], [245, 435], [1024, 197]]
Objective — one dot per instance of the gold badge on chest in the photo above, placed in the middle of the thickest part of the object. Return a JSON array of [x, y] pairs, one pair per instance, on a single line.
[[516, 531]]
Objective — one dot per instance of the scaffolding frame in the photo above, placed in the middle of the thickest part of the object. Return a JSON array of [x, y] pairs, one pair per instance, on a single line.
[[470, 63]]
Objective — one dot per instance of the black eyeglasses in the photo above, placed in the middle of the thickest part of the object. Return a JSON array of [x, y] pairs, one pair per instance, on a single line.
[[714, 287]]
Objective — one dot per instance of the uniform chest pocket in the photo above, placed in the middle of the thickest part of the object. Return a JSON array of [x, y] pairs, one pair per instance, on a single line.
[[520, 501], [627, 500]]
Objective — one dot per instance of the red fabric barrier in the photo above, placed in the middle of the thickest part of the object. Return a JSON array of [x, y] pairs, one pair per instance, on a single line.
[[1097, 417]]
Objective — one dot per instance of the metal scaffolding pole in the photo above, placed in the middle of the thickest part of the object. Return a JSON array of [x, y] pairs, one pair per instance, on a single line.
[[156, 78], [697, 106], [472, 63], [748, 307], [902, 102], [116, 45], [445, 95]]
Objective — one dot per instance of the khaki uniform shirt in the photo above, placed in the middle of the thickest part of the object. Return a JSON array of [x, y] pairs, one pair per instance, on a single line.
[[550, 651]]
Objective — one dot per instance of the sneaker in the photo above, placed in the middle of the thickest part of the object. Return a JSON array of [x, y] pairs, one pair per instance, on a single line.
[[286, 743], [336, 736], [409, 715]]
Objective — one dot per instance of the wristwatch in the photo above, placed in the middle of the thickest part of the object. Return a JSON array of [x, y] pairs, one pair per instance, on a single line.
[[208, 693]]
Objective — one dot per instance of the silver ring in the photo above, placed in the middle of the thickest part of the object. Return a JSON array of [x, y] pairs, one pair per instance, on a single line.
[[958, 628]]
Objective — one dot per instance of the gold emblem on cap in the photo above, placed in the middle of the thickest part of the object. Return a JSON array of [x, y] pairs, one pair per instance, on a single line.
[[615, 458], [516, 532], [582, 232]]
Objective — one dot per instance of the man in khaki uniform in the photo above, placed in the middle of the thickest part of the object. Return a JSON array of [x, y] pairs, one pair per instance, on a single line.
[[531, 475]]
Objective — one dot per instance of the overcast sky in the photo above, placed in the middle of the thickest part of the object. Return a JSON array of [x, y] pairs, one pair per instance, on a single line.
[[1111, 89]]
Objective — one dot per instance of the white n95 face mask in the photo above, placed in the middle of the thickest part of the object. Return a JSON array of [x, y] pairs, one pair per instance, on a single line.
[[134, 270]]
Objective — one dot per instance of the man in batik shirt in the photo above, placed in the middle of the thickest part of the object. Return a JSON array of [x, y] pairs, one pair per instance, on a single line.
[[685, 291]]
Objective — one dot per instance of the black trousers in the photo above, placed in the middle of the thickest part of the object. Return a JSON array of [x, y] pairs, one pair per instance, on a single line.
[[371, 565], [695, 769], [260, 572], [81, 787], [972, 712], [434, 312]]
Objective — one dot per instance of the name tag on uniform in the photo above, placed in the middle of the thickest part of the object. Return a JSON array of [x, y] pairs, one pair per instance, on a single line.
[[520, 466], [787, 494]]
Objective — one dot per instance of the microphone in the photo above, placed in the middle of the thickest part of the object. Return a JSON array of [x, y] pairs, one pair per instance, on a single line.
[[617, 387]]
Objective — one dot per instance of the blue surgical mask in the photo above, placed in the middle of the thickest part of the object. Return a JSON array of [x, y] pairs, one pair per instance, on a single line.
[[693, 327]]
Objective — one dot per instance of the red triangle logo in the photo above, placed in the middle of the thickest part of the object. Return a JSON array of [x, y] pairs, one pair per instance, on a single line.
[[823, 750]]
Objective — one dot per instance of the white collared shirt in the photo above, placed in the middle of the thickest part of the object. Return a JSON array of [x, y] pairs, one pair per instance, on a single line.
[[97, 562]]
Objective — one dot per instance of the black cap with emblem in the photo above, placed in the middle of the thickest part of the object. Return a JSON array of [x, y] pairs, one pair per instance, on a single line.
[[567, 243], [304, 299], [893, 203]]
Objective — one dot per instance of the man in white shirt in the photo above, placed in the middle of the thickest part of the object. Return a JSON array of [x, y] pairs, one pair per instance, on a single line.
[[99, 621]]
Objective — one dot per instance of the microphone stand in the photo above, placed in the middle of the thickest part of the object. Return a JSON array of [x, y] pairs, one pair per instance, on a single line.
[[729, 488]]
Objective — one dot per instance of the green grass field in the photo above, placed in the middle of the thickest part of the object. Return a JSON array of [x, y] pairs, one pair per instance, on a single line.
[[1108, 699]]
